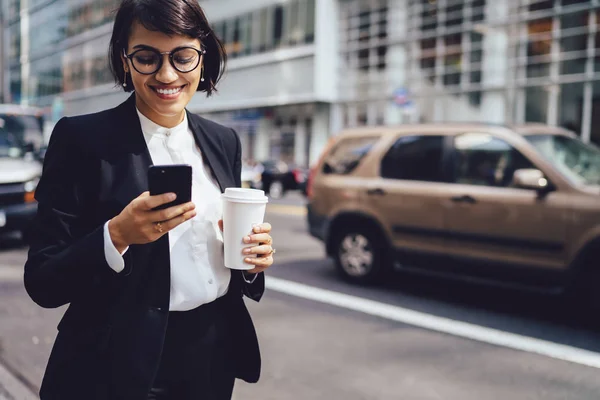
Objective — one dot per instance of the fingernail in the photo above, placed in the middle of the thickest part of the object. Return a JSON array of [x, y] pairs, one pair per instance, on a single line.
[[246, 251], [247, 260], [247, 239], [172, 196]]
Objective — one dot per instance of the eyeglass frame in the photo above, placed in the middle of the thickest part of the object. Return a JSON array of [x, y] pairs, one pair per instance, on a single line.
[[201, 53]]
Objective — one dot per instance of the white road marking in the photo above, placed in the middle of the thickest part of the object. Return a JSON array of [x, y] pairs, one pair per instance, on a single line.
[[438, 324], [11, 388], [284, 209]]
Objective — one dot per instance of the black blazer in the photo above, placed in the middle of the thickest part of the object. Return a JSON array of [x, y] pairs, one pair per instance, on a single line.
[[110, 339]]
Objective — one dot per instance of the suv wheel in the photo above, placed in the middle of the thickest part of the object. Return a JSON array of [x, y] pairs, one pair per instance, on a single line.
[[276, 190], [590, 292], [359, 257], [585, 290]]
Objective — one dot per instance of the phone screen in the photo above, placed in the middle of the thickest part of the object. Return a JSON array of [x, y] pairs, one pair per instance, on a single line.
[[171, 179]]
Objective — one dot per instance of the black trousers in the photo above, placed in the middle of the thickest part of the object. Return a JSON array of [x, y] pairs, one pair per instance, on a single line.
[[197, 359]]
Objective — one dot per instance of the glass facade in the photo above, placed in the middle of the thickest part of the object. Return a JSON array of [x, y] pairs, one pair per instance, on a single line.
[[492, 61], [556, 58], [279, 26], [43, 36], [51, 43]]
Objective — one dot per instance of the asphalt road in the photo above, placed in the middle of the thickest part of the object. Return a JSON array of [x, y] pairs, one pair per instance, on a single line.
[[313, 350]]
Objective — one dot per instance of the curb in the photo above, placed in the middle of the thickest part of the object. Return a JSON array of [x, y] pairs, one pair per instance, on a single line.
[[13, 389]]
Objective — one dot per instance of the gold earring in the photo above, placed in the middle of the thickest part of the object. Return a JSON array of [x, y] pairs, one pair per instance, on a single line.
[[202, 73], [125, 80]]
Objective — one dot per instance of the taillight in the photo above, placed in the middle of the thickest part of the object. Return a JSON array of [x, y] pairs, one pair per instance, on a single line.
[[298, 175], [29, 197]]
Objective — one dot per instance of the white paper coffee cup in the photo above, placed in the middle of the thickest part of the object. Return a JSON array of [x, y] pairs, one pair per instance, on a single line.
[[242, 209]]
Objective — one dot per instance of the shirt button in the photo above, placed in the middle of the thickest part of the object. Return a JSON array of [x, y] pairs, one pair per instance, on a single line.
[[168, 133], [210, 281]]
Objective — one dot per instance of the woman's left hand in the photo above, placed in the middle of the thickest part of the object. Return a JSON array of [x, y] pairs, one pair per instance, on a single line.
[[264, 250]]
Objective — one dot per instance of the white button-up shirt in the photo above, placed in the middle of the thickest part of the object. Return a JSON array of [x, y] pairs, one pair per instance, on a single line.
[[198, 272]]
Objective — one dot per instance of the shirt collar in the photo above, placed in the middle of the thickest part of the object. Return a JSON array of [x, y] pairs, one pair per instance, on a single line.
[[150, 128]]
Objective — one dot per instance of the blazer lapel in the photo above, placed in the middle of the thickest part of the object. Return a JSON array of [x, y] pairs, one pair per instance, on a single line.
[[133, 152], [210, 149], [131, 161]]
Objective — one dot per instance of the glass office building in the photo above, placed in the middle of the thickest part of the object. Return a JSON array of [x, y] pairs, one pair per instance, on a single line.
[[301, 70], [57, 57], [54, 47], [505, 61]]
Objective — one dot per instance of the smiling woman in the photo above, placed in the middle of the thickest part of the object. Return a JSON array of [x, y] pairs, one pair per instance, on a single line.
[[140, 43], [153, 311]]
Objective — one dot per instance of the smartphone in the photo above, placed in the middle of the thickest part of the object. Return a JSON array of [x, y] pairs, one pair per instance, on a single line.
[[171, 179]]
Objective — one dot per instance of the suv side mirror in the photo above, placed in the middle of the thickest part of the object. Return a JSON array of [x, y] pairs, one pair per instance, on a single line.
[[531, 178]]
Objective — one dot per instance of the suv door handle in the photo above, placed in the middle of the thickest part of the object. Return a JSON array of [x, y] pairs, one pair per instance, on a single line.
[[376, 192], [464, 199]]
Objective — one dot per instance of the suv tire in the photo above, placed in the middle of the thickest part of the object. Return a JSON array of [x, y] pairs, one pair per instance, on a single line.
[[585, 291], [360, 256]]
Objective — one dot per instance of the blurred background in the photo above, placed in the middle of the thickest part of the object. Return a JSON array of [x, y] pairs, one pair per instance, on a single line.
[[302, 71]]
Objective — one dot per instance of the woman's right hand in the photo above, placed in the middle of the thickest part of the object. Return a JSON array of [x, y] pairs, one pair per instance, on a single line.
[[137, 223]]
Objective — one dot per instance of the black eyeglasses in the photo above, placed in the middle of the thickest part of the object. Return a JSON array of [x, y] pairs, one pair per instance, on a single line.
[[149, 61]]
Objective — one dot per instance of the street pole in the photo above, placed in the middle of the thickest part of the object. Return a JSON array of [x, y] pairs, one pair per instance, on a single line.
[[3, 53], [24, 52]]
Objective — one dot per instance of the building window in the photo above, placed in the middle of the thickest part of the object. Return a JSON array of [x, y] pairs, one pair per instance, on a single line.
[[14, 46], [284, 25], [100, 73], [453, 46], [573, 42], [475, 74], [13, 9], [83, 17], [536, 104], [450, 43], [15, 85], [48, 28], [247, 35], [366, 32], [46, 76], [278, 25], [294, 30], [539, 39], [309, 35], [597, 42], [571, 106]]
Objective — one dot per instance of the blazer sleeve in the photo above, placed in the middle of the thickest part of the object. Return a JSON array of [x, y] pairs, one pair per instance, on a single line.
[[66, 256], [255, 289]]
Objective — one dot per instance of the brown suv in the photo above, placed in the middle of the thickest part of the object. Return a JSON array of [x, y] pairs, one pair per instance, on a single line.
[[508, 205]]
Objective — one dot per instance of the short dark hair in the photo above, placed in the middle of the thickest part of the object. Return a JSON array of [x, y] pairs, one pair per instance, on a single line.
[[171, 17]]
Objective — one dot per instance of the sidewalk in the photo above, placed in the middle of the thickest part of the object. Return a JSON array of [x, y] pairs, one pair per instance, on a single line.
[[12, 389]]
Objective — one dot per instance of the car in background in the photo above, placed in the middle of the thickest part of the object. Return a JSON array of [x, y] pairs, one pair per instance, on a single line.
[[27, 124], [516, 206], [251, 174], [19, 175], [278, 177]]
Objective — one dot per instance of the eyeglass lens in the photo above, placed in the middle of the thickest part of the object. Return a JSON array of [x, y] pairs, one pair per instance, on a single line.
[[149, 61]]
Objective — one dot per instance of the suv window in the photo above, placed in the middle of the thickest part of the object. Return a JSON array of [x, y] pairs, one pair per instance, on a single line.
[[347, 154], [417, 158], [482, 159]]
